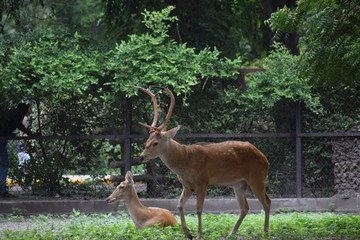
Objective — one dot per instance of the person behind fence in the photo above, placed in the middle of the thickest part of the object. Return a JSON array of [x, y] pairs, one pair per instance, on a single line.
[[23, 155], [10, 121]]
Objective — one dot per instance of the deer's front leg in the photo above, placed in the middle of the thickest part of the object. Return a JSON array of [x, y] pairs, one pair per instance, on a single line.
[[200, 198], [186, 193]]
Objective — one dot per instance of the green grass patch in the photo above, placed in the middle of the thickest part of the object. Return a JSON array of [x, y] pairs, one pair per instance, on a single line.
[[108, 226]]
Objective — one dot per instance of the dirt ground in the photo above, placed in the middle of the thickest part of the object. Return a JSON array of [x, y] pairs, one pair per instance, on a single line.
[[28, 223], [21, 226]]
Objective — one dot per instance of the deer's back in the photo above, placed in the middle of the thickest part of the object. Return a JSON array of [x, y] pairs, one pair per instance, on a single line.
[[227, 162], [162, 216]]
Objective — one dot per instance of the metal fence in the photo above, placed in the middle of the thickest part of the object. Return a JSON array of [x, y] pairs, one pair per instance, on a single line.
[[301, 162], [313, 157]]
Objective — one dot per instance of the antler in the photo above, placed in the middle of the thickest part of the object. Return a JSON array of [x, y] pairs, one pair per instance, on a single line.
[[168, 115], [156, 113]]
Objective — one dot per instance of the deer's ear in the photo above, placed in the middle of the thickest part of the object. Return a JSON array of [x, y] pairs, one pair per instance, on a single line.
[[129, 176], [172, 132]]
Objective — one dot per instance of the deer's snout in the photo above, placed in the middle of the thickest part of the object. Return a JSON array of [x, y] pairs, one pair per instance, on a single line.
[[140, 158]]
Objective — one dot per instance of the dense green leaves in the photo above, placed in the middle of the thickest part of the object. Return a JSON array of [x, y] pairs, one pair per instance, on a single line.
[[77, 83], [152, 58], [49, 65], [236, 28], [328, 38], [106, 226], [57, 65], [282, 79]]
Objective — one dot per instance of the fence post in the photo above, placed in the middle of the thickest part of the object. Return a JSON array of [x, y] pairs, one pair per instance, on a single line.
[[299, 167], [127, 132]]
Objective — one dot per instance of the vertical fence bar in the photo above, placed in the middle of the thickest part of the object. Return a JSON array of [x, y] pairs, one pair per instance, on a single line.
[[299, 164], [127, 132]]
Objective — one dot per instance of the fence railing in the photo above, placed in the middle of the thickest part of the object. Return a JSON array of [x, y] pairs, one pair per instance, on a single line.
[[302, 163], [299, 170]]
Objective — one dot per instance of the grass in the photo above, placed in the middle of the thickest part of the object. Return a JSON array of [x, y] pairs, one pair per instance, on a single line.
[[108, 226]]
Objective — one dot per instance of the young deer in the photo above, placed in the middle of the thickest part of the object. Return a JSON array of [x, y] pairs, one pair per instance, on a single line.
[[141, 215], [199, 166]]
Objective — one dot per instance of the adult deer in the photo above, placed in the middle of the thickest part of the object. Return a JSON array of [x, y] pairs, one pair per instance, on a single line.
[[231, 163], [141, 215]]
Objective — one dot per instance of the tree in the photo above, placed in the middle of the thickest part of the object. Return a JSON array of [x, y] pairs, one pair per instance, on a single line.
[[236, 28], [323, 76], [329, 38], [23, 16], [57, 71], [290, 40], [329, 54], [78, 83]]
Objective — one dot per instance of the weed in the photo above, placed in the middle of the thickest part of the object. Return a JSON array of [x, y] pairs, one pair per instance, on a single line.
[[119, 226], [332, 206]]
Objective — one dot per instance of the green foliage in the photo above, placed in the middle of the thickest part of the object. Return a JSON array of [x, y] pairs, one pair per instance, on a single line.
[[329, 39], [284, 20], [149, 58], [281, 80], [155, 21], [317, 155], [38, 66], [23, 16], [236, 28], [107, 226], [340, 111], [72, 78], [77, 82]]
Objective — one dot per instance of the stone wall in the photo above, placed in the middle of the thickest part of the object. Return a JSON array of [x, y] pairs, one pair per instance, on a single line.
[[346, 159]]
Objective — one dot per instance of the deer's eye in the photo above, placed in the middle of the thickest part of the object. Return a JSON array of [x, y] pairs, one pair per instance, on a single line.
[[155, 144]]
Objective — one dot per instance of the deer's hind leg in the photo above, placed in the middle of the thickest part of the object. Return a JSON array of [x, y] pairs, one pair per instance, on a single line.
[[240, 193], [259, 190]]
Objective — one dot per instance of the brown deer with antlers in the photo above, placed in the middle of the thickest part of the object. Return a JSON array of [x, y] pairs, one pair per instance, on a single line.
[[230, 163]]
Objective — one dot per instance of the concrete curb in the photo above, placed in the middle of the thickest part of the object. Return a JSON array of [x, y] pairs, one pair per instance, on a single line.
[[211, 205]]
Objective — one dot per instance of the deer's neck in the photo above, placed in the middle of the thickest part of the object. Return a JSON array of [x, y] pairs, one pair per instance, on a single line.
[[175, 156], [135, 207]]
